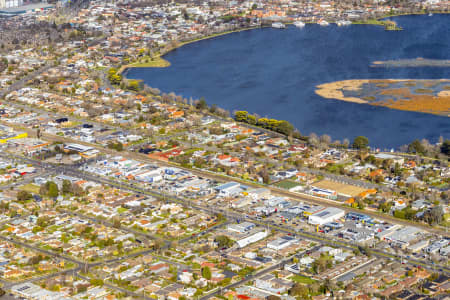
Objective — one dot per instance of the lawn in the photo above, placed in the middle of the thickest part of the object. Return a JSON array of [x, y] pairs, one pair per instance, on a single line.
[[303, 279], [121, 210], [286, 184], [31, 188], [446, 220], [146, 62]]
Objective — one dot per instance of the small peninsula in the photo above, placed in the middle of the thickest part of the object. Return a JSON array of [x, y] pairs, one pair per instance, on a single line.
[[427, 96]]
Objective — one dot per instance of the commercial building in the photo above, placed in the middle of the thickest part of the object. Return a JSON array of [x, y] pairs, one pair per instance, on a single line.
[[401, 236], [10, 3], [9, 8], [327, 215], [281, 243], [241, 227], [252, 239], [77, 148], [229, 189]]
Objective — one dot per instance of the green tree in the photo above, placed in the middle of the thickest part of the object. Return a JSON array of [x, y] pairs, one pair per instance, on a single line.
[[241, 116], [42, 222], [360, 142], [133, 85], [66, 186], [299, 290], [224, 241], [97, 281], [23, 196], [206, 273], [416, 147], [284, 127], [52, 188], [201, 104]]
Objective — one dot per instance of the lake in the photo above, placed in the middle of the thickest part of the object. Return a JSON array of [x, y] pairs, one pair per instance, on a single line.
[[274, 73]]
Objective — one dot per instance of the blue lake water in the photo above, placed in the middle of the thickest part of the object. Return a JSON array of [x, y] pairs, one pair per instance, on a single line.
[[274, 73]]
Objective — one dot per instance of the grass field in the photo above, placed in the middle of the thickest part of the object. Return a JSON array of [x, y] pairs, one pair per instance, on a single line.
[[157, 62], [302, 279], [31, 188], [286, 184], [340, 188], [146, 62]]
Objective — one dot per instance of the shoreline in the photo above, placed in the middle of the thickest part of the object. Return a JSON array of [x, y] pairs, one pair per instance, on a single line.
[[375, 22], [181, 44]]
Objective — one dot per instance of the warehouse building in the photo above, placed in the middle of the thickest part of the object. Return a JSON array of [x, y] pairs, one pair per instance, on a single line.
[[252, 239], [327, 215]]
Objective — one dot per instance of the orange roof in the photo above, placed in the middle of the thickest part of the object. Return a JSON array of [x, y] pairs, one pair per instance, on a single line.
[[207, 264], [350, 201], [223, 156], [367, 193], [376, 173], [177, 114]]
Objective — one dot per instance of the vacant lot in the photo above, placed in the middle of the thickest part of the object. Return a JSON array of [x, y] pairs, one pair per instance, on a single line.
[[31, 188], [302, 279]]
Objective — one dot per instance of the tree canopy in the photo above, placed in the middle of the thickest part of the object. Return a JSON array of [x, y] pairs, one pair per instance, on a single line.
[[445, 147], [281, 126], [360, 142]]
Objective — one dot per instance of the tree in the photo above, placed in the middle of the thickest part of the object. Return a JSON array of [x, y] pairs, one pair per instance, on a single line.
[[445, 147], [35, 259], [241, 116], [42, 222], [265, 175], [434, 215], [66, 186], [223, 241], [158, 244], [299, 290], [201, 104], [97, 281], [360, 142], [206, 273], [52, 189], [116, 222], [113, 77], [134, 85], [23, 196], [416, 147], [345, 143], [326, 139]]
